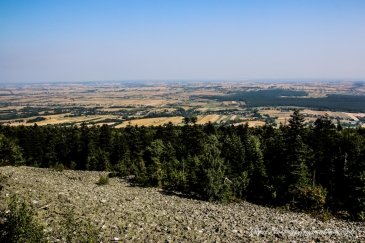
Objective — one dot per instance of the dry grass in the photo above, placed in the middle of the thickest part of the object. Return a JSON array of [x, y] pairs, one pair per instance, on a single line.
[[341, 115], [176, 120], [310, 115], [62, 118], [208, 118], [223, 118], [251, 123], [275, 112]]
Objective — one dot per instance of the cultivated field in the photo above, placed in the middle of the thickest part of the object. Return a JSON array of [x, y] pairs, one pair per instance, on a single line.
[[159, 121], [151, 104]]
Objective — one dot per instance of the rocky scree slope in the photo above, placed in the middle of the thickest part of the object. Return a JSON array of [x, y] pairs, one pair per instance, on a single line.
[[119, 212]]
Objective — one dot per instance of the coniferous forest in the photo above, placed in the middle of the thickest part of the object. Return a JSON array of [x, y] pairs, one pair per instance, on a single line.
[[309, 168]]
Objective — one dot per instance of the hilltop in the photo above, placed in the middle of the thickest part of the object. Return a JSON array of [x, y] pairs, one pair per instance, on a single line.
[[120, 212]]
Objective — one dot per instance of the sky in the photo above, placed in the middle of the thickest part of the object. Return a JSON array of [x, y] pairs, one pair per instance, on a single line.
[[92, 40]]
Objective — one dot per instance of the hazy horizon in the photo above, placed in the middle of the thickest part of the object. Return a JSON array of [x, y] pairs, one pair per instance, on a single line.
[[115, 41]]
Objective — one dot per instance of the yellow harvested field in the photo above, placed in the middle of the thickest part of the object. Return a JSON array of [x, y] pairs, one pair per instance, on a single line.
[[223, 118], [352, 116], [208, 118], [256, 123], [342, 115], [57, 119], [10, 108], [104, 123], [275, 112], [283, 120], [177, 120], [158, 121], [310, 115], [114, 102], [251, 123], [310, 119], [358, 114], [62, 118]]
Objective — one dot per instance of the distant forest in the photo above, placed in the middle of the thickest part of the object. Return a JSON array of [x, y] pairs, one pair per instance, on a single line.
[[320, 167], [281, 97]]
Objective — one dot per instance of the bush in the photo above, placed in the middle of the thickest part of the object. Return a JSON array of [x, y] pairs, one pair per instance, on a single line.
[[240, 185], [17, 223], [310, 197], [103, 180], [361, 216], [73, 229], [121, 168], [324, 215], [59, 167], [343, 214], [3, 180], [73, 165]]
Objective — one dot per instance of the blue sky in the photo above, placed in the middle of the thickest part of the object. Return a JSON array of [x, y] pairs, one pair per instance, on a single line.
[[80, 40]]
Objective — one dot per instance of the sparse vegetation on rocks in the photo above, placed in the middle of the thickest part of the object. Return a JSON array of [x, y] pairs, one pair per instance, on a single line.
[[59, 167], [18, 223], [77, 210], [103, 180]]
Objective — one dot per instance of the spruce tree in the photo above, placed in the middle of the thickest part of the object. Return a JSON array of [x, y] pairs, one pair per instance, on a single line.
[[154, 166], [258, 186], [10, 152], [296, 121], [214, 185]]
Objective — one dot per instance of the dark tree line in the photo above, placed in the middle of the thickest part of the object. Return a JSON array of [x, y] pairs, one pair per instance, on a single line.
[[321, 166], [279, 97]]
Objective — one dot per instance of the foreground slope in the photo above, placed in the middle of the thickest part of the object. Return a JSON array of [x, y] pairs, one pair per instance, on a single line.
[[123, 213]]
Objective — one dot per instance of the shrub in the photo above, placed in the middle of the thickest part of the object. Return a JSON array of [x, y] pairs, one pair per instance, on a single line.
[[59, 167], [343, 214], [324, 214], [361, 216], [3, 180], [121, 168], [103, 180], [73, 229], [73, 165], [240, 185], [310, 197], [17, 223]]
